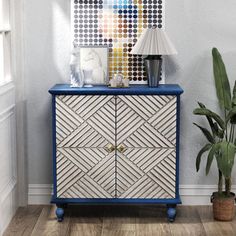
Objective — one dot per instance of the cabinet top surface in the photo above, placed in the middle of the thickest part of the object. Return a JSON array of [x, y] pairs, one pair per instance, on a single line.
[[163, 89]]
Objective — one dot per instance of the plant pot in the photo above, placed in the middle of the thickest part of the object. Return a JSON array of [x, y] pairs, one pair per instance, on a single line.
[[223, 207]]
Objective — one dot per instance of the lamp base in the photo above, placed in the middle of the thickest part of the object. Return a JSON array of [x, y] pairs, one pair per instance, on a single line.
[[153, 69]]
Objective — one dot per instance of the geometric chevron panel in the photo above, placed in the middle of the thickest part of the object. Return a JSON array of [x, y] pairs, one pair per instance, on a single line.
[[142, 130], [146, 128], [85, 125]]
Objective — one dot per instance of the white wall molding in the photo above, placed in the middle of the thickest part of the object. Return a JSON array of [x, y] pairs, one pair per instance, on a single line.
[[190, 194], [198, 194], [6, 190], [39, 194], [18, 74], [7, 97], [7, 113], [8, 204], [6, 87], [8, 181]]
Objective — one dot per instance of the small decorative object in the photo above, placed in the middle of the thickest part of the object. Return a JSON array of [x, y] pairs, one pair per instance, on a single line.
[[76, 74], [221, 140], [113, 83], [126, 82], [119, 81], [118, 77], [94, 64], [153, 42]]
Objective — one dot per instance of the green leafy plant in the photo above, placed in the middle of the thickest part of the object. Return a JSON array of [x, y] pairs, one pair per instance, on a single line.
[[221, 133]]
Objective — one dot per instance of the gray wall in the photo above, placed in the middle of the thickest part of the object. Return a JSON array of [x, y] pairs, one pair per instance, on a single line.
[[193, 26], [47, 50]]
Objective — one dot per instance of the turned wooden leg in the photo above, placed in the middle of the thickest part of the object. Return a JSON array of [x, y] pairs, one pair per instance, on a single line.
[[171, 212], [60, 212]]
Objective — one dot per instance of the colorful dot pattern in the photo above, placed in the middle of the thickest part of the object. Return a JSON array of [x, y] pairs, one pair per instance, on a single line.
[[118, 24]]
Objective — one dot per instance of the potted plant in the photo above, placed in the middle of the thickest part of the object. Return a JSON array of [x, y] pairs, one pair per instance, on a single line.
[[221, 139]]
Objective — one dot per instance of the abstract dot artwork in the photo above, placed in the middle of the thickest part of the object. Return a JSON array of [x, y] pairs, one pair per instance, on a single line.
[[117, 24]]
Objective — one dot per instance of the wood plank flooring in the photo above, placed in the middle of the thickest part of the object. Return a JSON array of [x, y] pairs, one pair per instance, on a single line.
[[118, 221]]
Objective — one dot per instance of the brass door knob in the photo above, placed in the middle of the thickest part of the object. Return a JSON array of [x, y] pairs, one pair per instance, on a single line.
[[121, 148], [110, 148]]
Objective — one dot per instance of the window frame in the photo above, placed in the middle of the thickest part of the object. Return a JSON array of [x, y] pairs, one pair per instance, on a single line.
[[5, 42]]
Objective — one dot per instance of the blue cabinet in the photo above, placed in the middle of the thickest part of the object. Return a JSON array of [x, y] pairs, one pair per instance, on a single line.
[[117, 146]]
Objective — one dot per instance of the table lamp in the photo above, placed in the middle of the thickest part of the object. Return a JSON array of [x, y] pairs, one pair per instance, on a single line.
[[153, 43]]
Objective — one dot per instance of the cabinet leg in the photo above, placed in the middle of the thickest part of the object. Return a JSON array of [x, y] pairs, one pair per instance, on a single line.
[[171, 212], [60, 213]]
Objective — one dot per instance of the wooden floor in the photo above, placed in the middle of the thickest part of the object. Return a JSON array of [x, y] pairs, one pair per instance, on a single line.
[[117, 221]]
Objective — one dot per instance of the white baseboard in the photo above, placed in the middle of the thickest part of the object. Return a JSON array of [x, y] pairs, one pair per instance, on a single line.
[[198, 194], [39, 194], [190, 194]]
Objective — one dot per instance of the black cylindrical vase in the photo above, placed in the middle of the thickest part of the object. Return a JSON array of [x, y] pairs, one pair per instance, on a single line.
[[153, 69]]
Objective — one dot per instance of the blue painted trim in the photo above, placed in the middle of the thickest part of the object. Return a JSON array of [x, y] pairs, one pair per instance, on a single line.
[[177, 147], [164, 89], [114, 201], [54, 145]]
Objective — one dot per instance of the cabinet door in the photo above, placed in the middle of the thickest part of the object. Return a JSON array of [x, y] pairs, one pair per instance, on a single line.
[[146, 146], [85, 139]]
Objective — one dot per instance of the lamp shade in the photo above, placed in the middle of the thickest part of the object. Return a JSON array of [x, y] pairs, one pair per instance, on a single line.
[[154, 41]]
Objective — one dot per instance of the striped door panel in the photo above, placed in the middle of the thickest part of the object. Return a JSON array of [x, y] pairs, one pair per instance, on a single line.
[[146, 127], [85, 125]]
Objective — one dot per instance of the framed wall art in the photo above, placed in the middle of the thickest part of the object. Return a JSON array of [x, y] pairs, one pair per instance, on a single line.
[[117, 24], [93, 62]]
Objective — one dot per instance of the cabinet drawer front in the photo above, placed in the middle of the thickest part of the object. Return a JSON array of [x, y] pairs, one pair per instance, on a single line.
[[85, 126], [146, 129]]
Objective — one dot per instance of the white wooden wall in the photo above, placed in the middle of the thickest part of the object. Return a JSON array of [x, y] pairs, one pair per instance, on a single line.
[[12, 154], [8, 165]]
